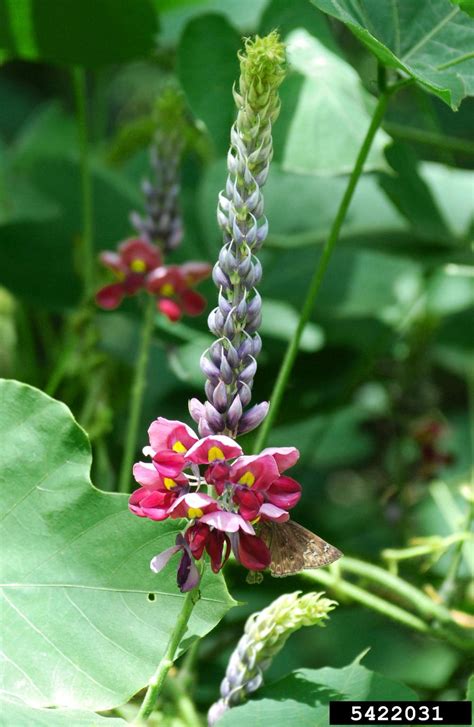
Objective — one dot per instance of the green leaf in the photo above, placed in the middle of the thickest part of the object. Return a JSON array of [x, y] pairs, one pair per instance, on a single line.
[[18, 714], [302, 697], [243, 14], [280, 321], [466, 5], [326, 112], [430, 42], [85, 620], [208, 68], [90, 33]]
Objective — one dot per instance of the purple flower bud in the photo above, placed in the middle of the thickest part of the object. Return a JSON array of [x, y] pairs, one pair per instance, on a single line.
[[213, 418], [248, 372], [221, 280], [226, 372], [232, 356], [204, 429], [245, 393], [234, 414], [245, 348], [196, 409], [229, 327], [219, 397], [241, 310], [255, 305], [253, 417], [209, 388], [255, 323], [208, 368], [256, 344], [215, 352]]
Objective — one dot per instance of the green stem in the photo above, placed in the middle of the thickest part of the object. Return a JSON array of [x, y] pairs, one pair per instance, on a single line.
[[79, 78], [155, 684], [320, 271], [184, 704], [426, 608], [448, 587], [345, 589], [429, 138], [136, 396], [428, 548]]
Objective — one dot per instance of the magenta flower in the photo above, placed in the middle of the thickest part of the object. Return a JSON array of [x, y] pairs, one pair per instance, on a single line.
[[173, 286], [188, 574], [134, 259], [247, 489]]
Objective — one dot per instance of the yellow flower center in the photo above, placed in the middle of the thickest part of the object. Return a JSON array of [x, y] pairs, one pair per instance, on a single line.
[[179, 447], [247, 479], [194, 512], [215, 453], [253, 522], [169, 483], [167, 289], [138, 265]]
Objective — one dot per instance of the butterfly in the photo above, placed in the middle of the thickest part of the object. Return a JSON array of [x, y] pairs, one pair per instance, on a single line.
[[294, 548]]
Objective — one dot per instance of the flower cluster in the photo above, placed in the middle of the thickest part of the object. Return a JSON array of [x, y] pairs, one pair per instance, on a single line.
[[230, 363], [240, 491], [265, 634], [138, 265]]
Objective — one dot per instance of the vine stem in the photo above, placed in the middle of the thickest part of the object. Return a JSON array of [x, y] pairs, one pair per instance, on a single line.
[[155, 684], [136, 396], [318, 275], [79, 82]]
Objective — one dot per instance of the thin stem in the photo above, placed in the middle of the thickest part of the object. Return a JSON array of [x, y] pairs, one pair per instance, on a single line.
[[155, 684], [429, 138], [427, 548], [448, 587], [79, 78], [343, 588], [318, 275], [184, 704], [136, 396]]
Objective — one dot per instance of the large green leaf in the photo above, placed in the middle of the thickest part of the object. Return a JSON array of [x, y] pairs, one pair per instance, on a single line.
[[90, 32], [326, 112], [207, 68], [303, 696], [85, 620], [18, 714], [430, 42]]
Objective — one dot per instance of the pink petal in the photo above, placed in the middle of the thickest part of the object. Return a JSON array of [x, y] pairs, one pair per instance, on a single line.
[[193, 303], [170, 309], [285, 457], [110, 296], [159, 561], [257, 471], [164, 433], [146, 475], [229, 522], [140, 249], [213, 448], [271, 512], [193, 272], [284, 492]]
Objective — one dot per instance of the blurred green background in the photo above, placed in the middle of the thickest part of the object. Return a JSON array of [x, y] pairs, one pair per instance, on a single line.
[[389, 348]]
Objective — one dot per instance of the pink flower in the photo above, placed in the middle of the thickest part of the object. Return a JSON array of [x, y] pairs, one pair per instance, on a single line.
[[134, 259], [200, 536], [228, 522], [284, 492], [153, 504], [215, 448], [193, 505], [251, 551], [173, 286], [170, 434], [188, 574], [285, 457], [258, 471], [148, 476]]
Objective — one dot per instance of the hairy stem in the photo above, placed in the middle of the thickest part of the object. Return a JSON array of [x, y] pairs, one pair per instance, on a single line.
[[79, 79], [315, 284], [136, 396], [155, 684]]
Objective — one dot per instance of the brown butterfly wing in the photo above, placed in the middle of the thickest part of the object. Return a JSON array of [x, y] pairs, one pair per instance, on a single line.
[[294, 548]]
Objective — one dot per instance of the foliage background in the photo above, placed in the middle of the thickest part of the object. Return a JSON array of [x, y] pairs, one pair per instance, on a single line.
[[390, 341]]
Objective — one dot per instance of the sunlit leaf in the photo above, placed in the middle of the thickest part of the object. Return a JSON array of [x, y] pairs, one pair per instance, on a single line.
[[430, 42]]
